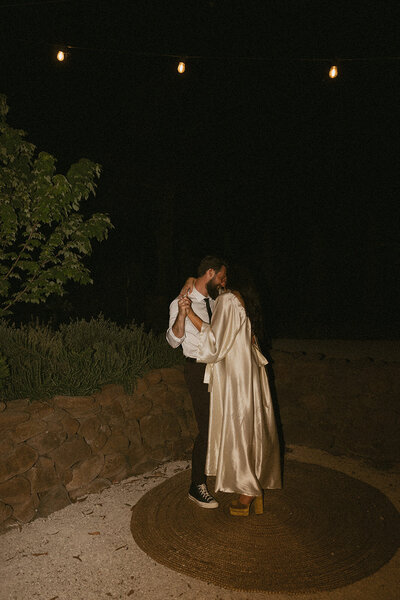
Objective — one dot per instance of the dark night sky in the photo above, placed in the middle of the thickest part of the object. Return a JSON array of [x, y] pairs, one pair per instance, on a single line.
[[267, 162]]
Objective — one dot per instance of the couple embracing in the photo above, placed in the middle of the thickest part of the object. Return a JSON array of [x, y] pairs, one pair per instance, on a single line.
[[225, 374]]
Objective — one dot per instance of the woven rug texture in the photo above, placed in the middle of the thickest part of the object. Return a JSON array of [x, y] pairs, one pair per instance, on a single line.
[[322, 531]]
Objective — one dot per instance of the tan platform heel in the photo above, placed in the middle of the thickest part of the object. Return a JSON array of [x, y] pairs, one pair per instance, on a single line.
[[237, 509], [259, 505]]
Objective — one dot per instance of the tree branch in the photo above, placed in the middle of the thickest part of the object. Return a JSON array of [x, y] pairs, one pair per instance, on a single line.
[[11, 269]]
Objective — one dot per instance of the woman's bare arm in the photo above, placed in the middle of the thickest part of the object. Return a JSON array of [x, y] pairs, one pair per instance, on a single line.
[[188, 286]]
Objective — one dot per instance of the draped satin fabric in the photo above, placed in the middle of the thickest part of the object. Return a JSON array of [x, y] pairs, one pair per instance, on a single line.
[[243, 445]]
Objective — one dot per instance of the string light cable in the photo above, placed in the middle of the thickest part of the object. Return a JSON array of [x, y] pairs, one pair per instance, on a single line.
[[182, 60]]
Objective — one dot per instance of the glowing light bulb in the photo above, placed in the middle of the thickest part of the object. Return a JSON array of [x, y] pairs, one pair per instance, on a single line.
[[333, 72], [181, 67], [60, 55]]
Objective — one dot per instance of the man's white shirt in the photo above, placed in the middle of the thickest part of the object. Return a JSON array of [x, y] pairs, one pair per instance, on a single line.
[[190, 340]]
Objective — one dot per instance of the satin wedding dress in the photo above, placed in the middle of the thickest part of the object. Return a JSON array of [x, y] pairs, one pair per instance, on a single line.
[[243, 446]]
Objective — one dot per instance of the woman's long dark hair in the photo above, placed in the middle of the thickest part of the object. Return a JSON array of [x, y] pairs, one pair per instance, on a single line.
[[240, 280]]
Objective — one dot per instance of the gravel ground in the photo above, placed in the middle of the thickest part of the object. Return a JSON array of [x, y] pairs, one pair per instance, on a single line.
[[86, 551]]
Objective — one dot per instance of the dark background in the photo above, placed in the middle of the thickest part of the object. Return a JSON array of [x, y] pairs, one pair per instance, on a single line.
[[252, 154]]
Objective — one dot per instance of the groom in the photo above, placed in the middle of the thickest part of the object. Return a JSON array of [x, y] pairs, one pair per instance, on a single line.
[[181, 332]]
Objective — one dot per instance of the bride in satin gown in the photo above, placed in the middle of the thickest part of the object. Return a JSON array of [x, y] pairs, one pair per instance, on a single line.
[[243, 446]]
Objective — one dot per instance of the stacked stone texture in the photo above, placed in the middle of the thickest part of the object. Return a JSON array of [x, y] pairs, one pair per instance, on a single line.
[[53, 452], [348, 407]]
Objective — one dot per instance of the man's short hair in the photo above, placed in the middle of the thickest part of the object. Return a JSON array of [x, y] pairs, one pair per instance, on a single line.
[[211, 262]]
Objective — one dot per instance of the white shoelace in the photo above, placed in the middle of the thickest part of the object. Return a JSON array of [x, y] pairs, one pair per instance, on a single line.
[[204, 492]]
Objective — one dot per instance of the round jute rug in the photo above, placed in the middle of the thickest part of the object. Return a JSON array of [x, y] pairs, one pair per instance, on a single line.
[[322, 531]]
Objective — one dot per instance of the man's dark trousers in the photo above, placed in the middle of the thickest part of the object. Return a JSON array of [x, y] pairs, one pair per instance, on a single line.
[[194, 375]]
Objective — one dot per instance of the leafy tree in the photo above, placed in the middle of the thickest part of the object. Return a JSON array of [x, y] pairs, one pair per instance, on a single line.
[[43, 236]]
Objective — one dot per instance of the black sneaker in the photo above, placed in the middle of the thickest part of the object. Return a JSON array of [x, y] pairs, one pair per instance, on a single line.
[[200, 495]]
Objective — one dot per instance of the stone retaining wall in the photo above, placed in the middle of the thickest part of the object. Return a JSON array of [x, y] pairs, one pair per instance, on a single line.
[[53, 452], [349, 407]]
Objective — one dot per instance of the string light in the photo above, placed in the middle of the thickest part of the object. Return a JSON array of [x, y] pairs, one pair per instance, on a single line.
[[333, 72], [63, 55]]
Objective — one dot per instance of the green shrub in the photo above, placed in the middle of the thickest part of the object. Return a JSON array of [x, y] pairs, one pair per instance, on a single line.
[[78, 358]]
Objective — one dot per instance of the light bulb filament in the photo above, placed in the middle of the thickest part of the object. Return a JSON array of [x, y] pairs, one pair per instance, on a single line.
[[333, 72]]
